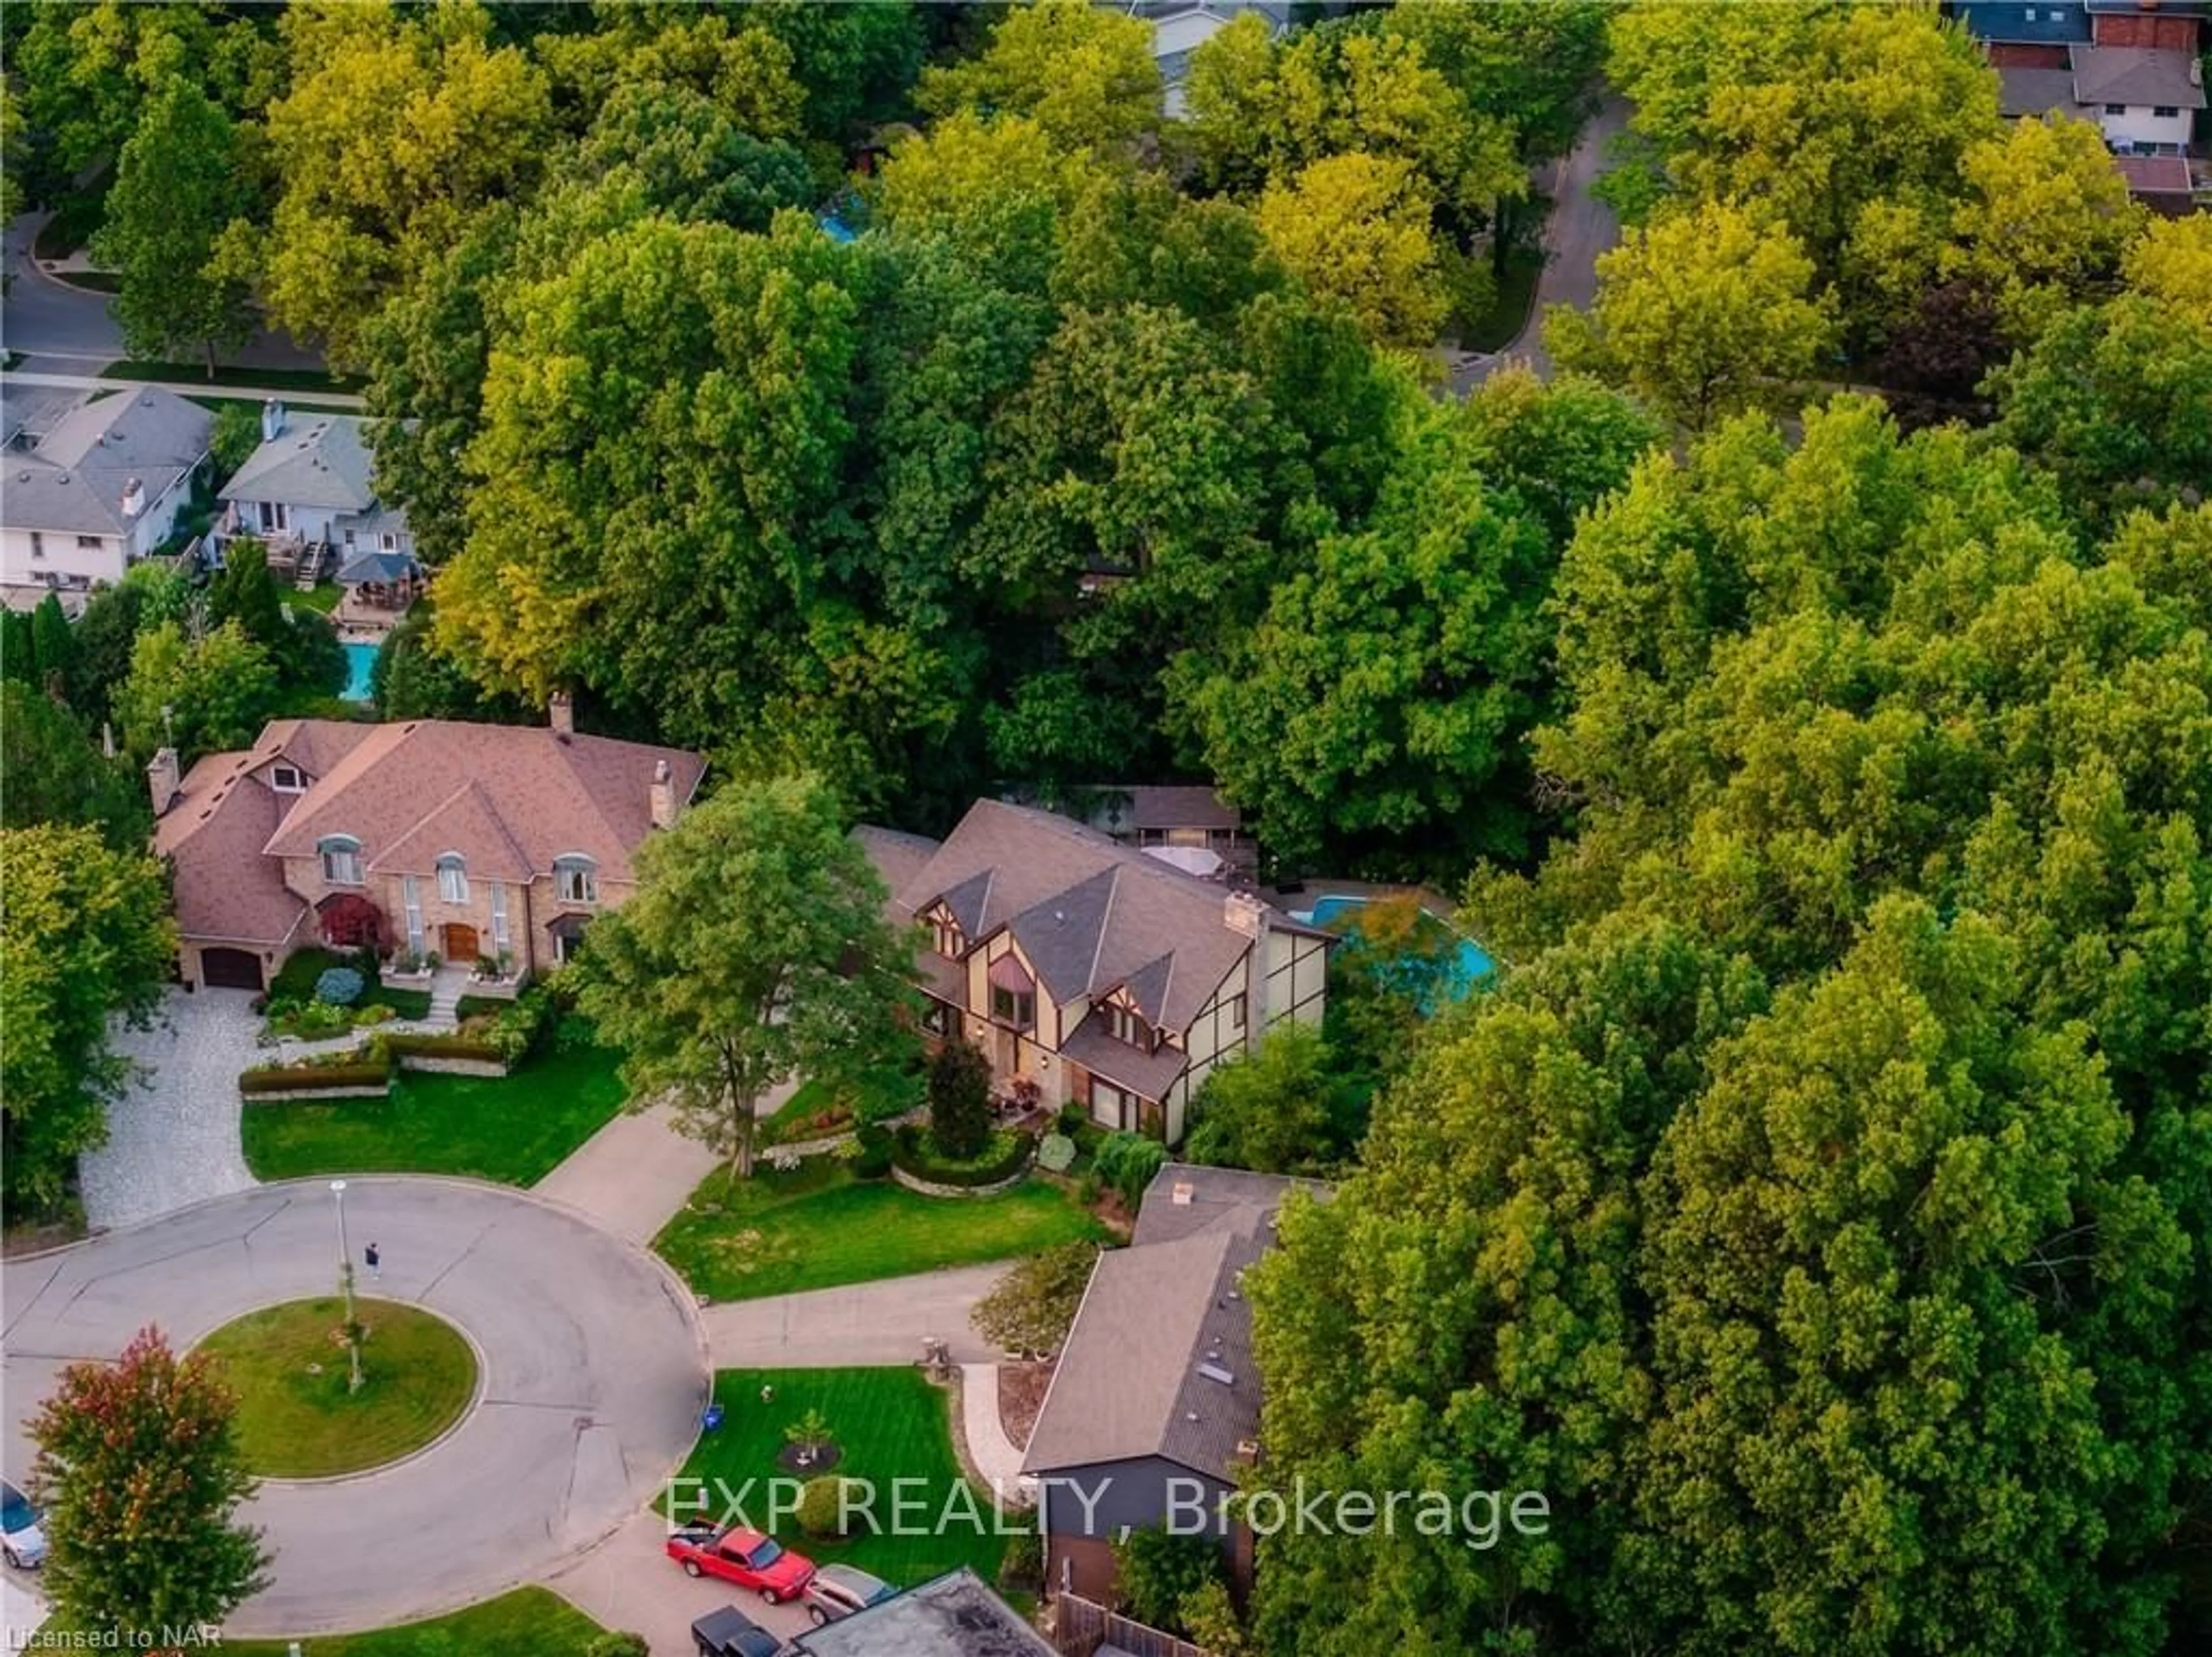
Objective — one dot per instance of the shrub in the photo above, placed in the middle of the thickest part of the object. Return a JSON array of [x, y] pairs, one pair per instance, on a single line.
[[1029, 1310], [1156, 1570], [820, 1511], [1021, 1567], [378, 1014], [1128, 1161], [339, 986], [812, 1428], [1071, 1119], [619, 1645], [523, 1027], [1057, 1154], [280, 1078], [1004, 1154], [959, 1098], [573, 1032], [871, 1158], [403, 1044]]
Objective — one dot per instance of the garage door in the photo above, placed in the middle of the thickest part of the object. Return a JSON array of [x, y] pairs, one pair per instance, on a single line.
[[230, 969]]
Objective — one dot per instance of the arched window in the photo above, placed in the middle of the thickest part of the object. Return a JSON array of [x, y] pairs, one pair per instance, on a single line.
[[576, 879], [341, 859], [454, 878]]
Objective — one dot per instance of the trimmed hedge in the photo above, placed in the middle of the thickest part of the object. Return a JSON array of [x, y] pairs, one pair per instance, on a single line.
[[288, 1078], [407, 1044], [912, 1153]]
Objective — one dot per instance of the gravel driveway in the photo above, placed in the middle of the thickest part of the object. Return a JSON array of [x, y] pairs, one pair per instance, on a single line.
[[174, 1141]]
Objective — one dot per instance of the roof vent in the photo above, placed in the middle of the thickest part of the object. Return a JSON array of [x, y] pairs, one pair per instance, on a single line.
[[1182, 1192], [1214, 1372], [62, 478], [1248, 1450], [1190, 1415]]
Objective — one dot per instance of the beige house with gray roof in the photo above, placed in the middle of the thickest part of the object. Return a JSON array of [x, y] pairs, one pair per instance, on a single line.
[[468, 841], [1103, 976]]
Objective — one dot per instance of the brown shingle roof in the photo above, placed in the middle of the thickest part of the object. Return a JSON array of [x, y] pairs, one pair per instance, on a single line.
[[213, 833], [510, 795], [1090, 913]]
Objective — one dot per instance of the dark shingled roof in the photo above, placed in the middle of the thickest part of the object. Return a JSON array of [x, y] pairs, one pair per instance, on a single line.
[[1090, 913], [1159, 1361]]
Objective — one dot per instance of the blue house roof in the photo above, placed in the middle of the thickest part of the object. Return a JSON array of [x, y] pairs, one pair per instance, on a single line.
[[2047, 22]]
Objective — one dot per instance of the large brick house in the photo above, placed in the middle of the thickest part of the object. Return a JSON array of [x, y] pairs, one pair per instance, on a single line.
[[1104, 976], [463, 840]]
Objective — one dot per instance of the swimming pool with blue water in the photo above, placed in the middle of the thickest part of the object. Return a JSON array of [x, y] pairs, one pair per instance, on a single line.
[[359, 659], [1472, 963]]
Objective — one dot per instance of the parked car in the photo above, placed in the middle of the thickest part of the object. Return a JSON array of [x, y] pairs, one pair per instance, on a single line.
[[838, 1591], [743, 1556], [24, 1543], [730, 1633]]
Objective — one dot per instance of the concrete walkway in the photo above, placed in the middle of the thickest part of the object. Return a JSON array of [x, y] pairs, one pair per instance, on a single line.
[[633, 1176], [994, 1454], [878, 1322]]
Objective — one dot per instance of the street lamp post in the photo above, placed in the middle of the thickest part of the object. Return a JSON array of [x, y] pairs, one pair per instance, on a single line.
[[345, 1284]]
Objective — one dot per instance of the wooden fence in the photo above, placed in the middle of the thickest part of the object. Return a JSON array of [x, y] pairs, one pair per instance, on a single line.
[[1080, 1627]]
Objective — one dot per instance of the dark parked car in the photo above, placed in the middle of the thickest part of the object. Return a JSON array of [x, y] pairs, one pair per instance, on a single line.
[[838, 1591], [730, 1633]]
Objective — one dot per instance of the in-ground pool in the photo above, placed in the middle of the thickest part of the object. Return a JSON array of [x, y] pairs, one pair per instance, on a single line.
[[1464, 967], [360, 658]]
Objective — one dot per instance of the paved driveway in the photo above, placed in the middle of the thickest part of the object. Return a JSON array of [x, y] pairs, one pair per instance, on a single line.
[[173, 1141], [884, 1322], [594, 1376]]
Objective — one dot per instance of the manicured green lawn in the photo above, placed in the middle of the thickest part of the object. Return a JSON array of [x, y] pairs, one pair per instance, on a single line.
[[886, 1091], [297, 1417], [514, 1128], [295, 981], [322, 598], [274, 379], [888, 1424], [817, 1227], [527, 1623]]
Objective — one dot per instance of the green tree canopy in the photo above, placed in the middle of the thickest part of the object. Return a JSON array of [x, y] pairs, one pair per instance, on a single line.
[[54, 772], [754, 950], [1355, 229], [201, 694], [85, 935], [1085, 74]]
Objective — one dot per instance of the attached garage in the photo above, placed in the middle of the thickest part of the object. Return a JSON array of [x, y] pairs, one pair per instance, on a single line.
[[230, 969]]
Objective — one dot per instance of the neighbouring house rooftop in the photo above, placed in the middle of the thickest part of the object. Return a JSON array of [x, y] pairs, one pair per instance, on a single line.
[[78, 474], [1090, 913], [313, 460], [2136, 75], [2028, 92], [510, 798], [2156, 175], [954, 1615], [1159, 1362]]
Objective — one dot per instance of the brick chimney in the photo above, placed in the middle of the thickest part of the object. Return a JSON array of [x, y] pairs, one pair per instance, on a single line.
[[561, 713], [662, 796], [165, 779]]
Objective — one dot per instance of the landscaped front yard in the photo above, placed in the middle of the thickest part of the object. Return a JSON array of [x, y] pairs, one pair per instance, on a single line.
[[296, 982], [817, 1227], [887, 1424], [514, 1129]]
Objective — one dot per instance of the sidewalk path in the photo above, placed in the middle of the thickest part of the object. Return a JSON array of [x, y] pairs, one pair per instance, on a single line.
[[988, 1448], [633, 1175], [878, 1322]]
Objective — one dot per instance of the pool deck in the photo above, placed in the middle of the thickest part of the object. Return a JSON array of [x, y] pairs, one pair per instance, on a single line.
[[1324, 886]]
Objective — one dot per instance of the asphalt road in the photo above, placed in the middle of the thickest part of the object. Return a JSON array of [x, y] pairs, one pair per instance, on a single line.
[[61, 324], [1579, 229], [593, 1372]]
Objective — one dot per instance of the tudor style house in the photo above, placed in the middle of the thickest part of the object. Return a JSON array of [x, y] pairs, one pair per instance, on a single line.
[[1101, 974], [462, 840]]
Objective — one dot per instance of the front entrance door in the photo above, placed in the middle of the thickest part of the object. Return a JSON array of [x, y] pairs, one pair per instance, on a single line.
[[461, 943]]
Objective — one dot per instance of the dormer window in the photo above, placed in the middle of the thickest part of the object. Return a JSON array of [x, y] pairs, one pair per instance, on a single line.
[[341, 856], [288, 779], [454, 878], [1123, 1025], [575, 880], [951, 942]]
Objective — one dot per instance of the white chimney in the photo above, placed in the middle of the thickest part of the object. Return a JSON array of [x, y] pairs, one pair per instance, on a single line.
[[662, 796], [1182, 1192], [561, 714], [272, 420], [164, 779], [134, 498]]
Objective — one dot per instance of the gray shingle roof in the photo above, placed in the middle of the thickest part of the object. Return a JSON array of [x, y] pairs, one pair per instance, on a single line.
[[73, 480], [1091, 913], [2136, 75], [1133, 1377], [317, 461]]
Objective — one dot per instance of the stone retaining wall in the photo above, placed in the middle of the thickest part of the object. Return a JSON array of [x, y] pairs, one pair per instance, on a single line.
[[452, 1067], [931, 1188], [294, 1095]]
